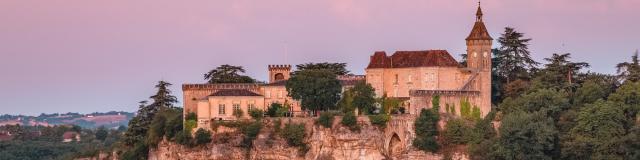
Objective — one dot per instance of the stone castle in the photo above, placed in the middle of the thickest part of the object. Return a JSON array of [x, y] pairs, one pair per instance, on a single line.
[[412, 76]]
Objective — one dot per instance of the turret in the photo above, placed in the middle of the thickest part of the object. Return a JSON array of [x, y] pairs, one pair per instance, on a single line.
[[279, 73]]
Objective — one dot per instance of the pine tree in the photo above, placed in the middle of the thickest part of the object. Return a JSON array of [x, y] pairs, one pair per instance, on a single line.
[[513, 56], [630, 70], [228, 74]]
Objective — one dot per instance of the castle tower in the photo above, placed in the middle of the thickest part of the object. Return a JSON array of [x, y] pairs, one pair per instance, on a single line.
[[479, 60], [279, 72]]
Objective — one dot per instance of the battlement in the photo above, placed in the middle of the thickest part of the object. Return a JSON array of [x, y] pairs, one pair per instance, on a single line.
[[218, 86], [279, 67]]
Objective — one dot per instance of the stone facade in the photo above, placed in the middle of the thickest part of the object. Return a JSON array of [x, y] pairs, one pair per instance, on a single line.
[[420, 75]]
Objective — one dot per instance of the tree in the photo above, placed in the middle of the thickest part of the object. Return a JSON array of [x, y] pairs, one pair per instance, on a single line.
[[345, 104], [256, 113], [560, 70], [335, 68], [228, 74], [363, 96], [628, 98], [163, 97], [277, 110], [202, 137], [426, 128], [238, 113], [101, 133], [350, 121], [526, 136], [630, 70], [315, 89], [513, 55], [325, 119], [456, 132], [549, 101], [598, 133]]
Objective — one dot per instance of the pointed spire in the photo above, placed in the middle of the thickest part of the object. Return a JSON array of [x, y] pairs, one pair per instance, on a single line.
[[479, 13]]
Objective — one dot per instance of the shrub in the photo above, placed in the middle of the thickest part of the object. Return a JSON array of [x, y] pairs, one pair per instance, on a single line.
[[465, 108], [191, 116], [238, 113], [476, 114], [426, 129], [183, 138], [325, 119], [250, 132], [379, 120], [294, 134], [277, 125], [456, 132], [190, 125], [202, 137], [256, 113], [277, 110], [351, 121]]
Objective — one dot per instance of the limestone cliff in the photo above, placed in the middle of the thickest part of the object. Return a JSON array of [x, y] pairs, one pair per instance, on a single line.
[[338, 142]]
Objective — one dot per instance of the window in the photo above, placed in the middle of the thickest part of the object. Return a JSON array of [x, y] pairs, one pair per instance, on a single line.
[[267, 94], [280, 94], [236, 106], [251, 106], [221, 109], [410, 77]]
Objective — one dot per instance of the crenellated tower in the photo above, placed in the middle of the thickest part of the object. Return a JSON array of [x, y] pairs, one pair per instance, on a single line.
[[279, 73]]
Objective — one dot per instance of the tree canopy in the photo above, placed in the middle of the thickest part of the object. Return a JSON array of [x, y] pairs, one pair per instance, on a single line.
[[335, 68], [513, 56], [630, 70], [315, 89], [227, 74]]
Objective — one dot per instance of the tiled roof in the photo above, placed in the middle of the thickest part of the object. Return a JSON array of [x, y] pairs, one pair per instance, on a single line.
[[235, 92], [479, 32], [404, 59]]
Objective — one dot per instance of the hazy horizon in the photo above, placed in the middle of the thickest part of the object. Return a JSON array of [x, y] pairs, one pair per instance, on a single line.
[[87, 56]]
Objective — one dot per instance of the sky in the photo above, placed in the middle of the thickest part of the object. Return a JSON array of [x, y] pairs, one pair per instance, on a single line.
[[87, 56]]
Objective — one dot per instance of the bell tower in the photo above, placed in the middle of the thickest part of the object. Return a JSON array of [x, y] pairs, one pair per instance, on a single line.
[[479, 61], [479, 45]]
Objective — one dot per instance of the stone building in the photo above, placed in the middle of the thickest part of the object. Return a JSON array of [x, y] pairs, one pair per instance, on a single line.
[[420, 75], [218, 101]]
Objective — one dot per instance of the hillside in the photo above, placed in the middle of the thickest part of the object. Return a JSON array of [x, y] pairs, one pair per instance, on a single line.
[[111, 119]]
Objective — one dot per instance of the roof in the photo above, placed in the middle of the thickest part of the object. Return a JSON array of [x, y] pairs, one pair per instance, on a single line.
[[234, 92], [405, 59], [479, 32], [278, 83]]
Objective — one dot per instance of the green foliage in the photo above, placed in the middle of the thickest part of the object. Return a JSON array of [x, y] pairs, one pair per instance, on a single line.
[[457, 132], [250, 133], [256, 113], [476, 114], [388, 104], [628, 97], [294, 134], [184, 138], [325, 119], [139, 125], [526, 136], [589, 92], [513, 58], [598, 133], [335, 68], [435, 103], [190, 125], [379, 120], [465, 108], [202, 137], [350, 121], [630, 71], [228, 74], [101, 133], [426, 129], [277, 110], [345, 104], [238, 113], [551, 101], [315, 89], [191, 116], [363, 97]]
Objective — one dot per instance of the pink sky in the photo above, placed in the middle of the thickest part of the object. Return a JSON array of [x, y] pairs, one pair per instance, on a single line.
[[86, 56]]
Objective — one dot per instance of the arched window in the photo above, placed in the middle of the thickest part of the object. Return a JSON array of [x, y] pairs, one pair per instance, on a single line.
[[278, 76]]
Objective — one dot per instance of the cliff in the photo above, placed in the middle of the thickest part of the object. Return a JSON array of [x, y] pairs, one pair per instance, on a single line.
[[337, 143]]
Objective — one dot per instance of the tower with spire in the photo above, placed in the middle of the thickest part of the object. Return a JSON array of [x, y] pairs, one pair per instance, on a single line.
[[479, 60]]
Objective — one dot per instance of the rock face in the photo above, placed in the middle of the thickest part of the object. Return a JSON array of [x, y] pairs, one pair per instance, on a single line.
[[335, 143]]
